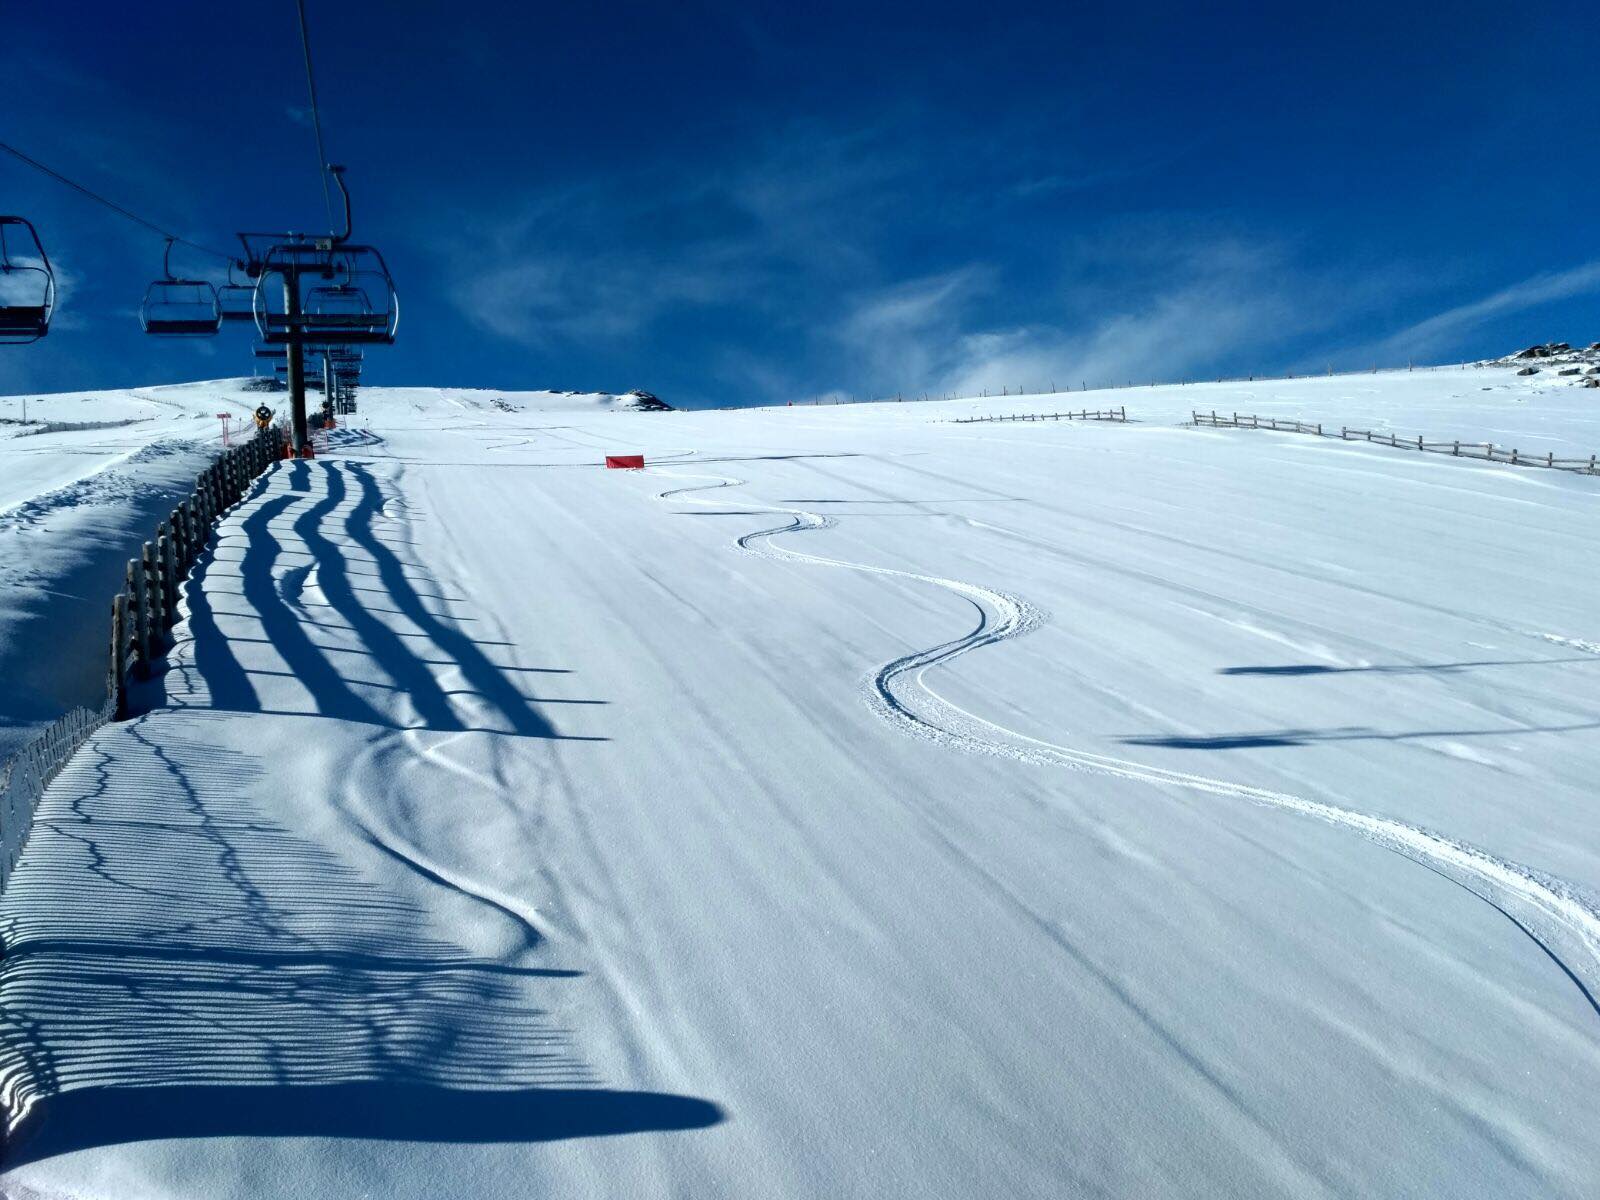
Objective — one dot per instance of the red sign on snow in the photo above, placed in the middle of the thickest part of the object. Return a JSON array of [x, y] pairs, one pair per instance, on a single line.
[[625, 462]]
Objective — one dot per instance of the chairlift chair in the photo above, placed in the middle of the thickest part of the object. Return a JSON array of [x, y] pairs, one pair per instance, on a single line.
[[237, 300], [352, 300], [180, 307], [27, 285]]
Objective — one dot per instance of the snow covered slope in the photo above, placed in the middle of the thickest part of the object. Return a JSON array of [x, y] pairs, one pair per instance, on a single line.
[[1480, 403], [433, 402], [82, 483], [85, 477], [72, 436], [853, 803]]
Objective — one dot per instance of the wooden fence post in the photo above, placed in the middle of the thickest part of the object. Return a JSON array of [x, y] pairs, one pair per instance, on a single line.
[[119, 653], [197, 539], [182, 539], [169, 578], [141, 615], [150, 567]]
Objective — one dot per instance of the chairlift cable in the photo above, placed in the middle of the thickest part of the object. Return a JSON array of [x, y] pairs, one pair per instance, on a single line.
[[316, 116], [112, 205]]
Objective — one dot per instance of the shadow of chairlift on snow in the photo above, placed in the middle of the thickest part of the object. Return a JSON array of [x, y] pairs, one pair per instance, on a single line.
[[1350, 733], [276, 989], [1297, 669], [350, 501], [380, 1111]]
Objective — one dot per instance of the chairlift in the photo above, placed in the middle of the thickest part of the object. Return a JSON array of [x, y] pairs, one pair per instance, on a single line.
[[180, 307], [27, 284], [237, 300], [353, 304]]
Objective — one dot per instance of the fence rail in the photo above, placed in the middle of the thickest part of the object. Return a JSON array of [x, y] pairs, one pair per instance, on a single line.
[[1483, 451], [1110, 414], [142, 612]]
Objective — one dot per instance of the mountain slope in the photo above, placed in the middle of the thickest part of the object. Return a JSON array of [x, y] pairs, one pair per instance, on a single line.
[[853, 802]]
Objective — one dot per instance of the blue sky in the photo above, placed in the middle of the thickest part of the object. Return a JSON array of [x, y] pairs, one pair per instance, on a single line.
[[747, 203]]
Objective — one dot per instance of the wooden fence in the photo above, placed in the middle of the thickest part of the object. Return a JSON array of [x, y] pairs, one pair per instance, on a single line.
[[146, 607], [141, 614], [24, 778], [1484, 451], [1246, 421], [1110, 414]]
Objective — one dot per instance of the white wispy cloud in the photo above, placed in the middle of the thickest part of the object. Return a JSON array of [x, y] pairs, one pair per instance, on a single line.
[[1192, 303], [605, 259], [1443, 328], [545, 298], [804, 238]]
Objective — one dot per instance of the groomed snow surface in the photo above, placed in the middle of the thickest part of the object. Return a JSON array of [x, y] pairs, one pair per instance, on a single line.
[[85, 477], [854, 803]]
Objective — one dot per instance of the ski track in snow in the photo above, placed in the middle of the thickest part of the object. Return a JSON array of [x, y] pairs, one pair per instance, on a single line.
[[380, 769], [900, 693], [1571, 643]]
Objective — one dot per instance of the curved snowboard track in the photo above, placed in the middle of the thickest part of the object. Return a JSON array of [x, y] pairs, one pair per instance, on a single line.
[[900, 693]]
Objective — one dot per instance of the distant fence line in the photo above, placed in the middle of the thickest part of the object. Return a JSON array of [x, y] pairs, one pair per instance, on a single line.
[[142, 612], [1110, 414], [1483, 451]]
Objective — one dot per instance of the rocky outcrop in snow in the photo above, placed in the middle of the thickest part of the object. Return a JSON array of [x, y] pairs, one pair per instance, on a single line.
[[1558, 358]]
